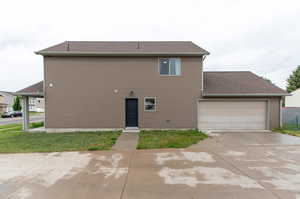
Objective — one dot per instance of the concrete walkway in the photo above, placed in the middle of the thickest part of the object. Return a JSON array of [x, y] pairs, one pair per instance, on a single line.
[[127, 141], [37, 130]]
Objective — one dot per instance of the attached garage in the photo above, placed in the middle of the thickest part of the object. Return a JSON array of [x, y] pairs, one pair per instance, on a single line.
[[238, 100], [232, 115]]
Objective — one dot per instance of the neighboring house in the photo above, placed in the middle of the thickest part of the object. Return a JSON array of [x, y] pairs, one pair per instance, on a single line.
[[36, 104], [6, 101], [291, 111], [293, 100], [2, 105], [149, 85]]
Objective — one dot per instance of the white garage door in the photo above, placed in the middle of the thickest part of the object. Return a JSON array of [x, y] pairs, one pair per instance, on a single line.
[[232, 115]]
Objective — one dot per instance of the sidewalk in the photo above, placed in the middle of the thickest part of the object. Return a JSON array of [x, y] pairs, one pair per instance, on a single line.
[[127, 141]]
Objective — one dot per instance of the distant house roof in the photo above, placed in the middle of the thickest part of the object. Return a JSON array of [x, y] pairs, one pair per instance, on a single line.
[[238, 83], [33, 90], [124, 48], [5, 93]]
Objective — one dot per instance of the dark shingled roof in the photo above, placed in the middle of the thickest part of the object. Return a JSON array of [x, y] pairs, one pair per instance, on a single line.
[[103, 48], [235, 83], [33, 90]]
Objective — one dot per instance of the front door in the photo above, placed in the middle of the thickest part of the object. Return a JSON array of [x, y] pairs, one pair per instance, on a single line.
[[132, 113]]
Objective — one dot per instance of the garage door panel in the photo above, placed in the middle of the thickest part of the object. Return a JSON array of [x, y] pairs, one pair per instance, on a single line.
[[233, 115], [228, 126]]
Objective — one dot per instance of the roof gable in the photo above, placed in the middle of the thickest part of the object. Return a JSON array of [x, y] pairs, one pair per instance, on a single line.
[[33, 90]]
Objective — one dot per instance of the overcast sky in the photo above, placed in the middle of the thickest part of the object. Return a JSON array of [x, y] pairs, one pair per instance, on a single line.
[[261, 36]]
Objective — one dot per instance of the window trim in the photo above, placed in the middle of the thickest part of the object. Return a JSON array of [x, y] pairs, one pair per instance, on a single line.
[[155, 104], [169, 75]]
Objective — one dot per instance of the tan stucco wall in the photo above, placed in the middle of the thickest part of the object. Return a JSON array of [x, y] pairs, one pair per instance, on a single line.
[[275, 107], [83, 94]]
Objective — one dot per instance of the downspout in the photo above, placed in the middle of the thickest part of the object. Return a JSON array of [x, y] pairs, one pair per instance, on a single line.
[[202, 79], [44, 92]]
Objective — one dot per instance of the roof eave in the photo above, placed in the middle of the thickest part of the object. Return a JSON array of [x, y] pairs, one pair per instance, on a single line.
[[79, 53], [244, 94], [206, 53], [29, 94]]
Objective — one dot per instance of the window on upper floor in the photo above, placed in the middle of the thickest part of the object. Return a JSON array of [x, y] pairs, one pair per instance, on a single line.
[[170, 66]]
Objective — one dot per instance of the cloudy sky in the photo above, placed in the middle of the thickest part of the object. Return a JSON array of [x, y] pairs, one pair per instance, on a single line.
[[256, 35]]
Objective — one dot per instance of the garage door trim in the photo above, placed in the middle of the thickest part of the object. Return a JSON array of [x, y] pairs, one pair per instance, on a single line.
[[243, 100]]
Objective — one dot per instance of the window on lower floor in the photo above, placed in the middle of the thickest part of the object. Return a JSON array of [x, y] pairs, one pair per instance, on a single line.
[[150, 104]]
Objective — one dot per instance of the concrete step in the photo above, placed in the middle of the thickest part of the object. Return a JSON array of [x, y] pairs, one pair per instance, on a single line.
[[131, 130]]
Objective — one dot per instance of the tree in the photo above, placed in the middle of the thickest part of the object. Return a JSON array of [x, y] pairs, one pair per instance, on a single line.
[[17, 104], [294, 80]]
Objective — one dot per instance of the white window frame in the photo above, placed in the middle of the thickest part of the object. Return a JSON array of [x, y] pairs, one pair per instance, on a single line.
[[159, 58], [155, 104]]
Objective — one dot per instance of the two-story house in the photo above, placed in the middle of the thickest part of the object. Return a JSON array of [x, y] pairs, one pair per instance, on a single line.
[[2, 104], [6, 101], [149, 85], [36, 104], [293, 100]]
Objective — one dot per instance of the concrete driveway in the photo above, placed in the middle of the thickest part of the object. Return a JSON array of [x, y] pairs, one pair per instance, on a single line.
[[229, 165]]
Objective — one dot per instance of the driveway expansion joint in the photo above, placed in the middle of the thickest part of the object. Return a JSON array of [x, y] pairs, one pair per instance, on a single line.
[[127, 175]]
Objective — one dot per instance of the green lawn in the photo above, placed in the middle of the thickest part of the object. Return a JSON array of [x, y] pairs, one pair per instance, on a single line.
[[32, 125], [288, 129], [32, 113], [36, 125], [9, 126], [13, 140], [169, 139]]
